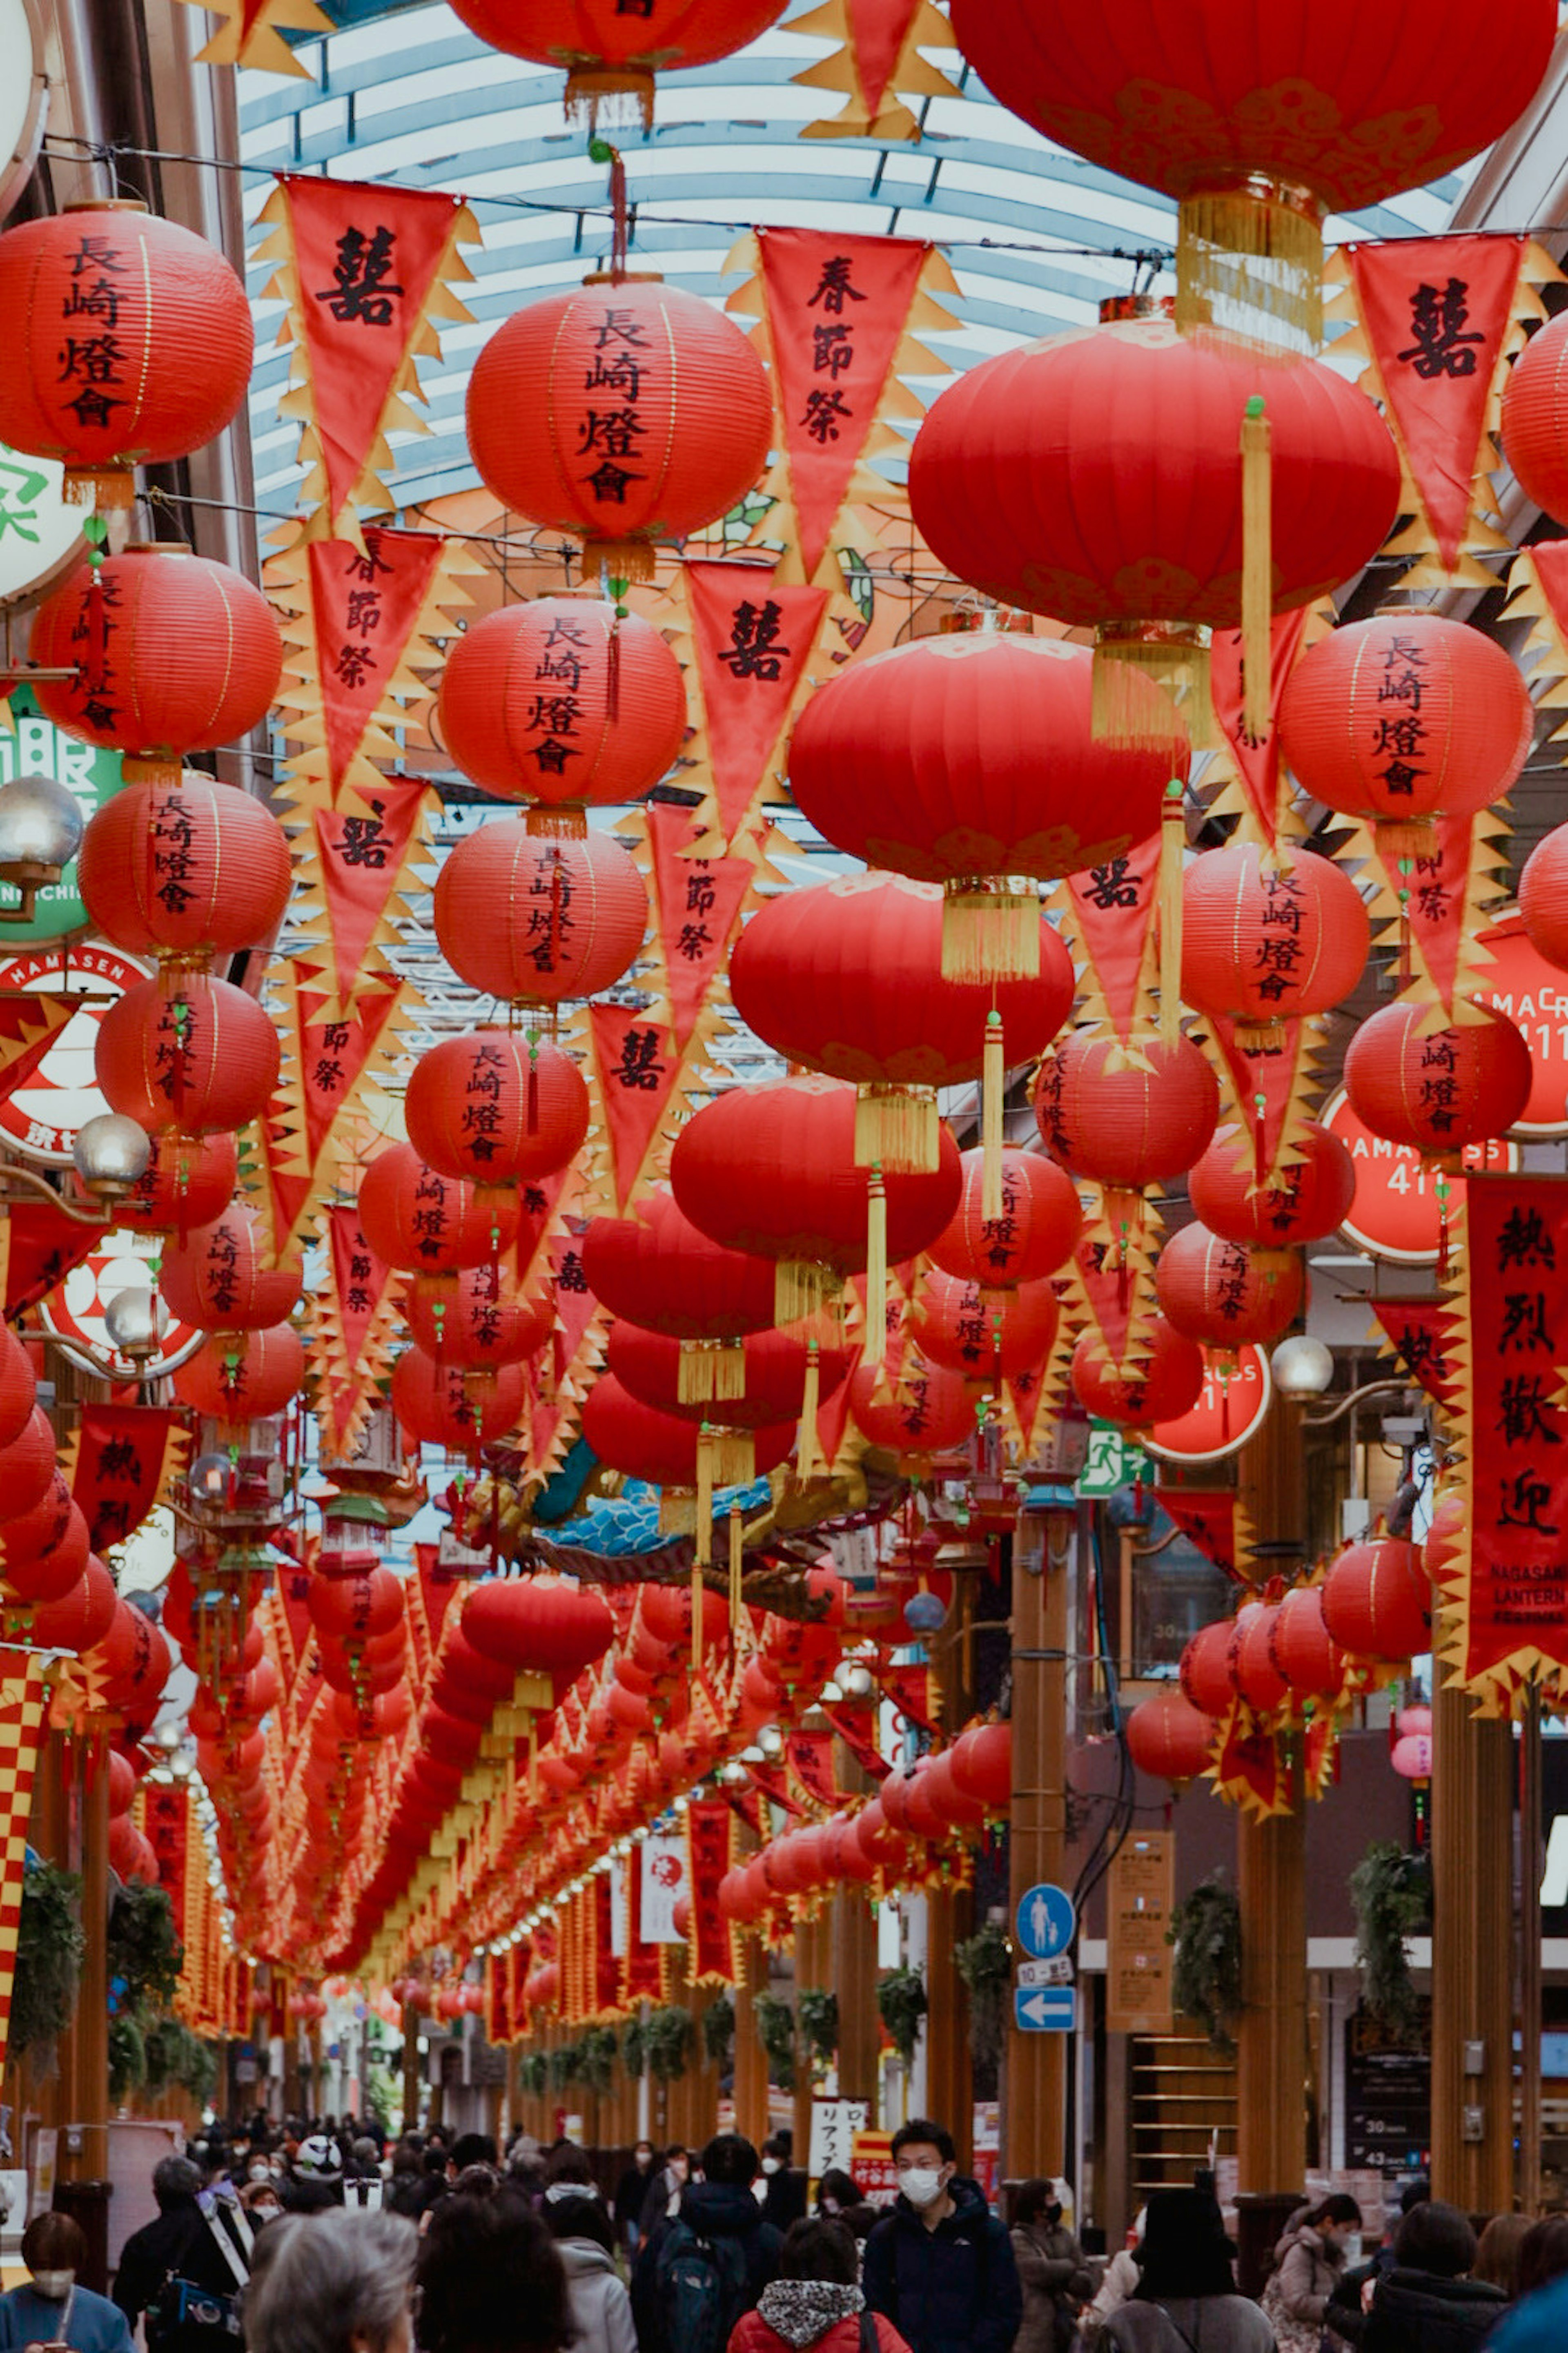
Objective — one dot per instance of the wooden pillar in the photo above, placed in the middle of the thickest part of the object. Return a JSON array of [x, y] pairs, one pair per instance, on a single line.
[[1472, 1973], [811, 1955], [854, 1966], [1035, 2097], [91, 2107], [750, 2058], [410, 2069], [950, 1918]]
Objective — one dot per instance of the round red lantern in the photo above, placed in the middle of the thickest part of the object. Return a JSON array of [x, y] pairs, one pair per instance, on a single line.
[[536, 921], [133, 344], [1544, 897], [539, 1624], [80, 1620], [1036, 1234], [1437, 1090], [916, 1409], [659, 1448], [1535, 418], [192, 870], [625, 413], [186, 1182], [356, 1609], [186, 1052], [1403, 718], [657, 1269], [1254, 1674], [219, 1278], [1224, 1293], [43, 1553], [18, 1386], [243, 1376], [167, 652], [1305, 1652], [985, 1334], [1311, 1200], [1128, 1115], [1170, 1739], [648, 1364], [612, 52], [982, 1765], [1377, 1601], [1204, 1669], [444, 1405], [131, 1665], [414, 1217], [1160, 1385], [1267, 939], [497, 1106], [27, 1465], [477, 1322], [559, 702]]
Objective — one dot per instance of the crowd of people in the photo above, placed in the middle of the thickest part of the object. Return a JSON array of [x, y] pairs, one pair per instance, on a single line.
[[323, 2239]]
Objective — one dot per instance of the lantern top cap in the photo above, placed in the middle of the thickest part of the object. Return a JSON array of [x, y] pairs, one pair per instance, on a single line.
[[106, 205], [1136, 306]]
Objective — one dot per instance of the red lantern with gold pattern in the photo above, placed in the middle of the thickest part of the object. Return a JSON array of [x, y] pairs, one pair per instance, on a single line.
[[243, 1376], [193, 869], [1437, 1090], [661, 1447], [186, 1182], [654, 1268], [1170, 1739], [624, 413], [1223, 1293], [220, 1278], [1311, 1200], [445, 1405], [477, 1320], [186, 1052], [1160, 1385], [1036, 1234], [985, 1334], [647, 1365], [532, 920], [612, 52], [131, 344], [1377, 1601], [539, 1624], [1267, 939], [498, 1107], [416, 1218]]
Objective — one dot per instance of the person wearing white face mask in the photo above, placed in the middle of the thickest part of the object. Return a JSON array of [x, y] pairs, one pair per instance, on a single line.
[[941, 2265], [52, 2309]]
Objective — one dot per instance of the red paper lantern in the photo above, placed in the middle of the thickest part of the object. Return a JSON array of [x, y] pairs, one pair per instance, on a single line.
[[1264, 941], [1309, 1203], [1126, 1117], [1405, 718], [656, 1268], [1223, 1293], [1437, 1090], [1170, 1739], [121, 1784], [186, 1052], [982, 1765], [539, 1624], [536, 921], [443, 1404], [1305, 1652], [219, 1277], [235, 1378], [661, 1447], [133, 344], [625, 413], [18, 1386], [27, 1465], [1159, 1386], [1544, 897], [559, 702], [479, 1320], [974, 754], [1254, 1673], [1535, 419], [131, 1665], [921, 1409], [186, 1182], [1377, 1601], [168, 653], [647, 1364], [414, 1217], [43, 1552], [356, 1609], [193, 869], [496, 1107], [1036, 1233], [80, 1620], [1204, 1669], [984, 1334], [612, 52]]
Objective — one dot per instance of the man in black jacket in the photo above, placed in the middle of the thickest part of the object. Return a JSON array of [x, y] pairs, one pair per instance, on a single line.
[[940, 2265], [183, 2244], [721, 2213]]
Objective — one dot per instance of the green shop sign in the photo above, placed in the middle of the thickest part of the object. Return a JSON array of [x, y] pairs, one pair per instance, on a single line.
[[38, 748]]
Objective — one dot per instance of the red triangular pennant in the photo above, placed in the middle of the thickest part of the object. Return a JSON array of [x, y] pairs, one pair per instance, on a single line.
[[1208, 1516], [753, 635], [1112, 911], [1421, 1334], [30, 1023], [1257, 761], [878, 31], [364, 603], [1267, 1082], [1432, 890], [361, 860], [637, 1073], [697, 903], [40, 1247]]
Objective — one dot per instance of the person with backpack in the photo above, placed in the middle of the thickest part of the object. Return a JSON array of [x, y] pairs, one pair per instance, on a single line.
[[1186, 2300], [815, 2305], [706, 2263], [940, 2265], [186, 2269]]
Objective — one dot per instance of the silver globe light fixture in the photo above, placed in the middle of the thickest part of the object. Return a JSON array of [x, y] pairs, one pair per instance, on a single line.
[[111, 1155], [1302, 1367], [41, 833], [135, 1321]]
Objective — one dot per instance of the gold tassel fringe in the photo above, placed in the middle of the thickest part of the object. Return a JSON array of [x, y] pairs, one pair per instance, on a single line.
[[1257, 570], [1176, 660], [993, 1107], [990, 934], [734, 1458], [876, 1270], [711, 1371], [620, 96], [898, 1126], [163, 774], [1172, 848], [698, 1566], [707, 1479], [1260, 1036], [807, 1457], [557, 821], [1249, 268], [676, 1511], [636, 560], [803, 1287]]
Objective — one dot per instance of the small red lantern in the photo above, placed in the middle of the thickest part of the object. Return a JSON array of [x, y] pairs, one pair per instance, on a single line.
[[1036, 1234], [186, 1052], [1305, 1652], [80, 1620], [536, 921], [235, 1378], [1254, 1675], [1311, 1200], [219, 1277], [1403, 718], [1544, 897], [624, 413], [982, 1765], [189, 870], [1170, 1739], [131, 1665], [559, 702], [188, 1182], [168, 653], [984, 1334], [414, 1217], [496, 1107], [612, 52], [1128, 1115], [1377, 1601], [920, 1410], [478, 1321], [1223, 1293], [27, 1465], [1437, 1090], [647, 1364], [356, 1609], [1267, 939], [18, 1386], [1160, 1385], [43, 1553], [133, 344], [1204, 1669], [445, 1404], [1535, 419]]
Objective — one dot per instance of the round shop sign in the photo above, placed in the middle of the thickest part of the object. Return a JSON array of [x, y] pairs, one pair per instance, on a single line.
[[24, 97], [123, 1261], [1395, 1214], [41, 1118], [1238, 1392], [1534, 995]]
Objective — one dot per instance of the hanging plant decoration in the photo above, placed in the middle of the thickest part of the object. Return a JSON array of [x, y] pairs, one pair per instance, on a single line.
[[535, 2074], [1391, 1892], [985, 1962], [818, 2017], [48, 1961], [669, 2042], [1206, 1982], [901, 2000], [596, 2059], [143, 1952], [565, 2065], [634, 2049], [127, 2056], [719, 2032], [776, 2032]]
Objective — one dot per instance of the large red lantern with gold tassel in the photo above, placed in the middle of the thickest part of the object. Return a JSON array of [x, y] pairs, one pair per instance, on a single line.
[[187, 1053], [647, 1365], [191, 871], [131, 344], [221, 1278], [1269, 936], [1437, 1090], [1223, 1293], [656, 1269], [611, 52], [498, 1107], [661, 1448], [536, 921]]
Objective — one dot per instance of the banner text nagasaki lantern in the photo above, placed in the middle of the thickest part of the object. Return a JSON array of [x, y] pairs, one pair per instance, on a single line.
[[1261, 126], [1099, 477], [186, 1054], [188, 1182], [191, 871], [656, 1269], [496, 1107], [132, 344], [1310, 1202], [221, 1277], [478, 1319], [1269, 938], [1034, 1232], [1223, 1293], [612, 52], [970, 760], [986, 1335], [416, 1218], [624, 413], [534, 921], [1438, 1090], [237, 1378]]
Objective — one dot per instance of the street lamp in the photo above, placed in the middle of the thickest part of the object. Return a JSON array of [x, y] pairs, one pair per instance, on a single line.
[[1302, 1367], [41, 833]]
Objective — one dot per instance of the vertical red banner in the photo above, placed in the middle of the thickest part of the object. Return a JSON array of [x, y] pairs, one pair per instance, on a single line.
[[709, 1824]]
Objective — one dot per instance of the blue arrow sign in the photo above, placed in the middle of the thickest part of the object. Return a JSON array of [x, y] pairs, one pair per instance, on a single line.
[[1050, 2009], [1046, 1920]]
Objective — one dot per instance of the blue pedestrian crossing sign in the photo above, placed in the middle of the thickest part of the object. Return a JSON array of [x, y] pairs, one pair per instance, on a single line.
[[1047, 1919], [1048, 2009]]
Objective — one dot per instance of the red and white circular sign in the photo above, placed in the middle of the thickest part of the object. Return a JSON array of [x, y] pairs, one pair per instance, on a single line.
[[123, 1261], [1238, 1391], [43, 1116], [1396, 1214], [1534, 995]]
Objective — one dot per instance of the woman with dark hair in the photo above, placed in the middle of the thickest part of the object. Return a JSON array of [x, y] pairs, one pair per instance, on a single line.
[[1308, 2263], [1050, 2269], [1186, 2300], [1544, 2253], [1427, 2303], [491, 2278], [1501, 2247], [815, 2302], [601, 2308], [52, 2309], [840, 2198]]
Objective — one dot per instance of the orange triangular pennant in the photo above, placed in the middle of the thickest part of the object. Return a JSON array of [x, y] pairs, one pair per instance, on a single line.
[[753, 635], [697, 906], [362, 862], [1110, 910]]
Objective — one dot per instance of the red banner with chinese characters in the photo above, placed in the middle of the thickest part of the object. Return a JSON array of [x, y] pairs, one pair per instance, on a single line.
[[1206, 1517], [708, 1832], [606, 1967], [365, 604], [1272, 1085], [1421, 1334], [1510, 1597], [752, 637], [909, 1689], [640, 1972], [1432, 893], [810, 1755], [1256, 759], [1247, 1770], [637, 1073], [1110, 913], [38, 1248], [362, 863], [857, 1729], [165, 1824], [328, 1057], [118, 1459], [697, 906]]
